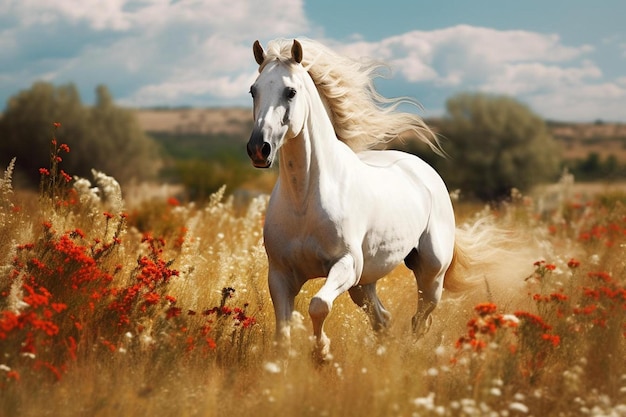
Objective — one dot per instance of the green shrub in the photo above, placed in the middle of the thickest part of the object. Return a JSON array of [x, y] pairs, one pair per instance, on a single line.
[[103, 137]]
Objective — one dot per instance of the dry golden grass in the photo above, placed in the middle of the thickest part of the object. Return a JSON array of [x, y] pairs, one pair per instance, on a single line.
[[161, 364]]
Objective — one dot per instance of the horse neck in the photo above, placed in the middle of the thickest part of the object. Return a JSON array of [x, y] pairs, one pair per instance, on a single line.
[[307, 158]]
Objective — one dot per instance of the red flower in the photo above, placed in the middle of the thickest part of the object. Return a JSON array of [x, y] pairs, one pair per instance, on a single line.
[[573, 263], [13, 375], [554, 339], [604, 276], [211, 343], [173, 312], [152, 298], [484, 309], [66, 176]]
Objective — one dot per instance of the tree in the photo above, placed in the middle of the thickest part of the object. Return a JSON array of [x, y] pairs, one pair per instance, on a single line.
[[495, 143], [103, 137]]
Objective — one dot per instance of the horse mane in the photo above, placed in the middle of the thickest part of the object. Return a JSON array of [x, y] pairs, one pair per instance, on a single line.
[[362, 117]]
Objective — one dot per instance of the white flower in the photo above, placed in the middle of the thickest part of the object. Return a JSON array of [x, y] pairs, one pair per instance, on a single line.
[[427, 402], [511, 318], [519, 407], [110, 190], [271, 367]]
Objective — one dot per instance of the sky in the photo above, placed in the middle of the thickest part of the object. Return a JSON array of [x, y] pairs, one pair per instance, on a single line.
[[565, 59]]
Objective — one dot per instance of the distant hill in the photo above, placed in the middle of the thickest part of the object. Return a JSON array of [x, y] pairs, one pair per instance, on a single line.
[[231, 121], [578, 139]]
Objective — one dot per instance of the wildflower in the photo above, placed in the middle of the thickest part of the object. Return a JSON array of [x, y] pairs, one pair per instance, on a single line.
[[211, 343], [519, 407], [533, 319], [558, 297], [56, 125], [44, 171], [173, 312], [66, 176], [555, 340], [603, 276], [484, 309], [152, 298], [58, 307], [271, 367], [248, 322], [573, 263], [13, 375], [109, 345]]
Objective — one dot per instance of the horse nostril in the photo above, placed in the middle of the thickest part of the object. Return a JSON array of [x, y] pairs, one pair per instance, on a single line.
[[249, 150], [266, 149]]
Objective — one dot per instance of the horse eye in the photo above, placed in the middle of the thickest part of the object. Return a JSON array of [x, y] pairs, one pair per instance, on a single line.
[[290, 93], [252, 91]]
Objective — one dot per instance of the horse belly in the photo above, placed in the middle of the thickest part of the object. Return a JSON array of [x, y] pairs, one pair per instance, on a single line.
[[392, 237]]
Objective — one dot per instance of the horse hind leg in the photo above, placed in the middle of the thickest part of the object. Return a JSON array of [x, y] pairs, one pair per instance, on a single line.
[[365, 297], [429, 269]]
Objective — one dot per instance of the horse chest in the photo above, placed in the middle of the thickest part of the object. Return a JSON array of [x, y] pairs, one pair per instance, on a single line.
[[307, 245]]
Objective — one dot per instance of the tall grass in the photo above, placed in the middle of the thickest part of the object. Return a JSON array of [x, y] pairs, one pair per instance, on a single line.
[[162, 309]]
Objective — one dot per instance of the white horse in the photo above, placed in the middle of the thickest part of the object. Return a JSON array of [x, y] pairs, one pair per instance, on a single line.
[[339, 211]]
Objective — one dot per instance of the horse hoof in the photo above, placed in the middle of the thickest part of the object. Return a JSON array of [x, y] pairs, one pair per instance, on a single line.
[[421, 326], [321, 357], [321, 351]]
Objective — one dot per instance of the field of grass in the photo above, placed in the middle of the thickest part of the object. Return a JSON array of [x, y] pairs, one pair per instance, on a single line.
[[162, 309]]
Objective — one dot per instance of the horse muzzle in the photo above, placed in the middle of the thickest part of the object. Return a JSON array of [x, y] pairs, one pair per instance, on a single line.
[[259, 151]]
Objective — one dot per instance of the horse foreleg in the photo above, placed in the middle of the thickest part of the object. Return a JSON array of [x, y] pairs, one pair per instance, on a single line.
[[341, 277], [283, 291]]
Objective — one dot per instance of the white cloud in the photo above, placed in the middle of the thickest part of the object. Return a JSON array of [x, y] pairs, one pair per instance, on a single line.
[[100, 14], [584, 103], [198, 52], [524, 78], [557, 80], [190, 89], [466, 55], [143, 47]]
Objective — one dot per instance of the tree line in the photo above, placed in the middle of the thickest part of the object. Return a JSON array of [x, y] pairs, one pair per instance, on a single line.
[[104, 136], [493, 143]]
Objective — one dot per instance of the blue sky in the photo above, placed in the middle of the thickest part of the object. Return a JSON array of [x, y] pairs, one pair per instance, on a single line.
[[565, 59]]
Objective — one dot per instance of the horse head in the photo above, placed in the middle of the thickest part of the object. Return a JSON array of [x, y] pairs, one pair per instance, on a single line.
[[279, 110]]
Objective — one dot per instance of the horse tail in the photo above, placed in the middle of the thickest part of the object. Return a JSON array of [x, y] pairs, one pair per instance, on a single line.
[[491, 256]]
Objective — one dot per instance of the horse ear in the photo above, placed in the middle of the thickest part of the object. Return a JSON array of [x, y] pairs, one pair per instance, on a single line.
[[259, 53], [296, 51]]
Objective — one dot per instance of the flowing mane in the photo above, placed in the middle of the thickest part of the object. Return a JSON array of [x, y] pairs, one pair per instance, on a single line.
[[362, 117]]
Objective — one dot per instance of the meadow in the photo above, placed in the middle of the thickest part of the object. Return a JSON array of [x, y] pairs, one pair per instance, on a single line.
[[161, 308]]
